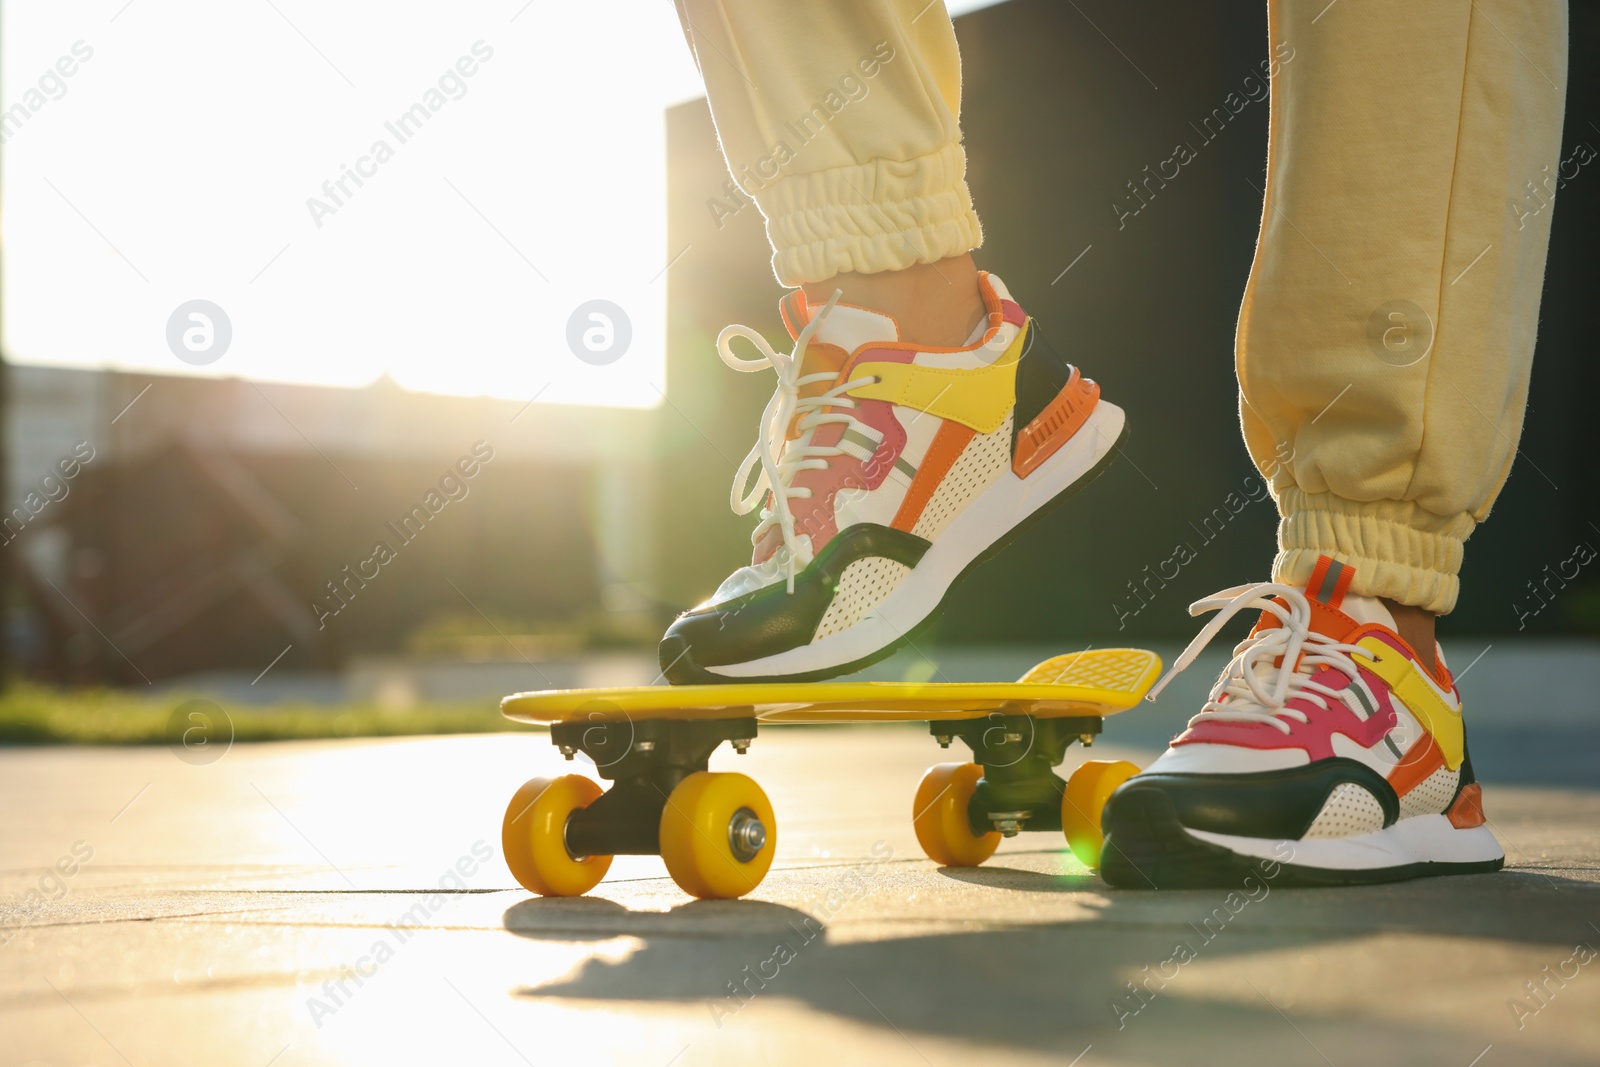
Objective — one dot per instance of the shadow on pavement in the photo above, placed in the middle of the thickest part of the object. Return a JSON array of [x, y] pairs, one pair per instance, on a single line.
[[1056, 986]]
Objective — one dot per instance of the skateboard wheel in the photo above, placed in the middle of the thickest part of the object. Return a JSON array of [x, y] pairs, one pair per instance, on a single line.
[[533, 837], [939, 815], [1088, 789], [718, 835]]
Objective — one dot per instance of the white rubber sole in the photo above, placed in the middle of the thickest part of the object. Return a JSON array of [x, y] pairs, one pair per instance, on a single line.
[[1421, 839], [998, 510]]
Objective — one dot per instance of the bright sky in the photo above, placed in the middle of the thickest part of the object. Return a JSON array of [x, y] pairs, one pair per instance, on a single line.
[[175, 161]]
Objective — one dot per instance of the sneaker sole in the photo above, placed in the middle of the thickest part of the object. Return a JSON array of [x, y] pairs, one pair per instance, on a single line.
[[1148, 848], [915, 604]]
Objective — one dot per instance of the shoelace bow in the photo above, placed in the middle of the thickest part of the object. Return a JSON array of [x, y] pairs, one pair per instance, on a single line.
[[781, 459], [1271, 668]]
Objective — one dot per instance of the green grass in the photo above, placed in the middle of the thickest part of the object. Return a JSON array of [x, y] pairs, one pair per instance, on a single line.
[[36, 715]]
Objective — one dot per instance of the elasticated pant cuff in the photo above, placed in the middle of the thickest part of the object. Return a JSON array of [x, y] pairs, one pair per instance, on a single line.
[[1398, 550], [877, 216]]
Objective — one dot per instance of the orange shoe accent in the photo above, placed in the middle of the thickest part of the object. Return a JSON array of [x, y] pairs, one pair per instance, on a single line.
[[1324, 620], [792, 309], [1467, 811], [819, 357], [942, 454], [1055, 425], [1422, 760]]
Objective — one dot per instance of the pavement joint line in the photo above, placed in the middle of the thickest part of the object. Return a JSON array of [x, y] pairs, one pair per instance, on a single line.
[[1290, 1021], [270, 980], [302, 833], [487, 1023], [1480, 1055], [1152, 926], [86, 1019], [888, 1020], [1085, 1052]]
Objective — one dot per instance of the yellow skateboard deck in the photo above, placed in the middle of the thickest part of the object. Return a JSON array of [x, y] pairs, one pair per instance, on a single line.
[[1097, 683], [716, 832]]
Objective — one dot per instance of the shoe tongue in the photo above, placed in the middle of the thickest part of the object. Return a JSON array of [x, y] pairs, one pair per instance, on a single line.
[[1334, 613], [844, 329]]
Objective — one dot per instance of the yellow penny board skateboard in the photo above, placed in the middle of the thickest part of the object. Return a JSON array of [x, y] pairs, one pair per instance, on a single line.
[[716, 831]]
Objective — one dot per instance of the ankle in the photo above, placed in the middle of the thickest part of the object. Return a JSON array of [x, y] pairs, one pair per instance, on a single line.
[[1416, 628], [936, 304]]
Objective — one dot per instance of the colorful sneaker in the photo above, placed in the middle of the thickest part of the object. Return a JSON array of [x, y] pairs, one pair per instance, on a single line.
[[1328, 754], [885, 470]]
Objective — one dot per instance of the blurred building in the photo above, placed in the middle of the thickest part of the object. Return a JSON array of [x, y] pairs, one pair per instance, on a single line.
[[211, 523]]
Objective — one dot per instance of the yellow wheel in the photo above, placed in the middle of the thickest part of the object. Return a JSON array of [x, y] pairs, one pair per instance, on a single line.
[[1088, 789], [939, 815], [718, 835], [533, 837]]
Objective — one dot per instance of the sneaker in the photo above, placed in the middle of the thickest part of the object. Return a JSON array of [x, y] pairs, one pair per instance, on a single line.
[[883, 471], [1328, 753]]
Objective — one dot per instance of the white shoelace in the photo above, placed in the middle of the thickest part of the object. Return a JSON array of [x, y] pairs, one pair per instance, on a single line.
[[1273, 667], [781, 459]]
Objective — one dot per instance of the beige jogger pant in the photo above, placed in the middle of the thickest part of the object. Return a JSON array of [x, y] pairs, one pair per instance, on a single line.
[[1387, 330]]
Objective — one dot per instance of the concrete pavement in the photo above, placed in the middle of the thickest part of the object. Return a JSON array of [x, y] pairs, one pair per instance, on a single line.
[[345, 903]]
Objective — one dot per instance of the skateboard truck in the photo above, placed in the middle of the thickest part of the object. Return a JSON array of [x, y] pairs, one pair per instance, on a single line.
[[1018, 753], [646, 760]]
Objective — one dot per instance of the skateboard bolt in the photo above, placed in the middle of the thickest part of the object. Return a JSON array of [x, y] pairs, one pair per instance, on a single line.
[[1013, 737], [1009, 823], [747, 836], [568, 751], [1086, 740], [943, 739], [741, 745], [644, 746]]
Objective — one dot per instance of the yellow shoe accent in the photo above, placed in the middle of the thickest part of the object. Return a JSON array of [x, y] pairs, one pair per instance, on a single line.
[[1421, 699], [980, 398]]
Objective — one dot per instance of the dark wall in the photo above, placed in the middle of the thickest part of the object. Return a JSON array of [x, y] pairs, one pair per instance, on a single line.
[[1058, 122], [192, 561]]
